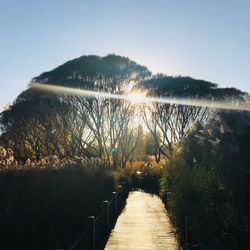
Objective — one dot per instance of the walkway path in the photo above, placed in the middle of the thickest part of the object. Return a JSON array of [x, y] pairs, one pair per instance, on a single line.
[[143, 225]]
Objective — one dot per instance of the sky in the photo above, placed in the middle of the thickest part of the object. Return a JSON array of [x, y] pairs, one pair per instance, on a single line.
[[204, 39]]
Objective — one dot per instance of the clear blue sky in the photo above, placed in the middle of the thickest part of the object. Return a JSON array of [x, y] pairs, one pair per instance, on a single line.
[[206, 39]]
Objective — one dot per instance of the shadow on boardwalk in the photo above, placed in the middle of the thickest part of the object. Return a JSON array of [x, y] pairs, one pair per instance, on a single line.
[[143, 225]]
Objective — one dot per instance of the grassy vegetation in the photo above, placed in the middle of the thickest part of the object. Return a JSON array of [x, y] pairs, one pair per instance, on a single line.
[[207, 181], [45, 204]]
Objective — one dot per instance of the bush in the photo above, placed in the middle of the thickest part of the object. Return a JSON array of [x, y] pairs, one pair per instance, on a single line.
[[208, 181], [142, 175], [189, 191]]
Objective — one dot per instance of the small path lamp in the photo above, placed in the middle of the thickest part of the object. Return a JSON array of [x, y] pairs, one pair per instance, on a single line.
[[106, 209]]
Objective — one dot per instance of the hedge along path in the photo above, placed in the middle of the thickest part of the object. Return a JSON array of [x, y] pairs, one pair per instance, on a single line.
[[143, 225]]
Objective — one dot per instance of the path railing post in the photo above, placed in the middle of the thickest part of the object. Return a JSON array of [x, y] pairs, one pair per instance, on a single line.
[[92, 219], [115, 201], [106, 211]]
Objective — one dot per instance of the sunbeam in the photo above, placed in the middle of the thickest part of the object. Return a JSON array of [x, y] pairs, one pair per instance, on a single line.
[[138, 98]]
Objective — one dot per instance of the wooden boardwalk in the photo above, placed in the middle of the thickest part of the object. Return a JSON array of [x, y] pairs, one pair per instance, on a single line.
[[143, 225]]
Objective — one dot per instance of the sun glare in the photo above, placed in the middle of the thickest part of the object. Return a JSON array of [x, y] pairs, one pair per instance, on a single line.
[[136, 97], [141, 97]]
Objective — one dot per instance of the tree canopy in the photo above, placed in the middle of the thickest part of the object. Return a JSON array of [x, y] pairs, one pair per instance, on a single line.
[[86, 71], [42, 123]]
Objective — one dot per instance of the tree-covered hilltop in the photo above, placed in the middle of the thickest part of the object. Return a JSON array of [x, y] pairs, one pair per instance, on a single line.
[[183, 86], [89, 71], [95, 72], [41, 123]]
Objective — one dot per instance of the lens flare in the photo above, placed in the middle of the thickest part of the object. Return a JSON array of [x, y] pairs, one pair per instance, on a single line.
[[139, 97], [73, 91], [136, 97]]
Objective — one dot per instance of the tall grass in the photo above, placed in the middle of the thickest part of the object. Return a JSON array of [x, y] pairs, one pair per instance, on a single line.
[[44, 204]]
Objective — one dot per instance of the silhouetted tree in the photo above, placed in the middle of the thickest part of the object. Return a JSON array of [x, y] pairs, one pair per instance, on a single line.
[[169, 123]]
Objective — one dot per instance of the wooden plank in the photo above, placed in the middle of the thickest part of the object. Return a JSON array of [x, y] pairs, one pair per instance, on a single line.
[[143, 225]]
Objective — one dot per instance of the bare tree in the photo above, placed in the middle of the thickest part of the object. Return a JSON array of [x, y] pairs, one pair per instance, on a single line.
[[169, 124], [110, 123]]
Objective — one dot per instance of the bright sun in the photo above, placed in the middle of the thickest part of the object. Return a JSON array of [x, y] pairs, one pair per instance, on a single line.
[[136, 97]]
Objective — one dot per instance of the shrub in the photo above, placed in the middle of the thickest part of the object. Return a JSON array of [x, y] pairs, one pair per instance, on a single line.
[[142, 174], [208, 181]]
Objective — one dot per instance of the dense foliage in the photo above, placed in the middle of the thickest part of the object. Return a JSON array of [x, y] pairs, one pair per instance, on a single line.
[[95, 72], [188, 87], [208, 182]]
